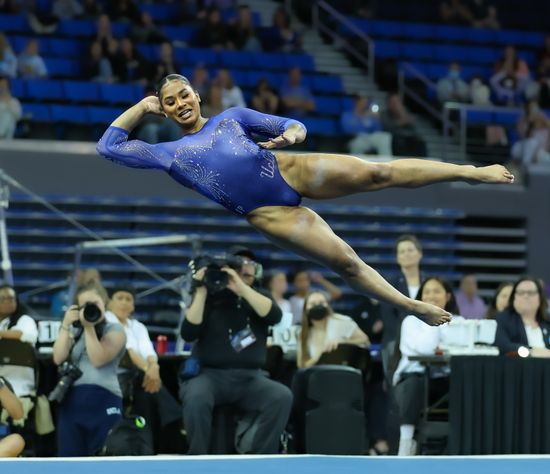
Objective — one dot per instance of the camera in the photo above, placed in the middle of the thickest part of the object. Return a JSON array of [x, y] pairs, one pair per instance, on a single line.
[[69, 373], [91, 312], [215, 279]]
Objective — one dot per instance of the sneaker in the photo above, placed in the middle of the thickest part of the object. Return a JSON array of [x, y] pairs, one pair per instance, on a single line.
[[407, 447]]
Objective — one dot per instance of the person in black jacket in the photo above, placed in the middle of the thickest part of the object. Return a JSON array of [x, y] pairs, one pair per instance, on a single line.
[[524, 324], [230, 330]]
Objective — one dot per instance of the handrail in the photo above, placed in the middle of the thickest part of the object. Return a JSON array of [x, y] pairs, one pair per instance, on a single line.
[[368, 61]]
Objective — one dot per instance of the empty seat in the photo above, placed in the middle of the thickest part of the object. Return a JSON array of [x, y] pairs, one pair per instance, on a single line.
[[303, 61], [327, 84], [387, 49], [75, 91], [58, 67], [320, 126], [37, 112], [328, 105], [180, 33], [68, 48], [103, 115], [69, 114], [236, 59], [77, 28], [479, 116], [417, 50], [117, 93], [14, 23], [202, 56], [269, 60], [44, 90]]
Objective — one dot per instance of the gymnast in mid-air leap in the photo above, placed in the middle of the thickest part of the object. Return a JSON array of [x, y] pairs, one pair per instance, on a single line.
[[218, 158]]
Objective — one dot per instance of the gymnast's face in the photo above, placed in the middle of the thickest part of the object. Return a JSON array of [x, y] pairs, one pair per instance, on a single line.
[[180, 103]]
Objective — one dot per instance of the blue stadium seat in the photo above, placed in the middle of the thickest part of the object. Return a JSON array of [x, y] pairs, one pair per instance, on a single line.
[[162, 13], [37, 112], [14, 24], [386, 29], [320, 126], [436, 71], [103, 115], [117, 93], [482, 55], [18, 43], [236, 59], [180, 33], [449, 53], [304, 61], [58, 67], [509, 37], [479, 116], [417, 50], [45, 90], [17, 87], [120, 29], [387, 49], [327, 84], [451, 33], [481, 36], [139, 92], [347, 103], [328, 105], [506, 117], [69, 114], [68, 48], [202, 56], [419, 31], [77, 28], [149, 51], [269, 61], [75, 91]]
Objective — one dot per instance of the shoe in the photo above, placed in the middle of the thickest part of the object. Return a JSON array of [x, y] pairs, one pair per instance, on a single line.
[[407, 447]]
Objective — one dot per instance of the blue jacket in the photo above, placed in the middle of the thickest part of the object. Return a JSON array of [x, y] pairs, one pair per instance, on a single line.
[[511, 333]]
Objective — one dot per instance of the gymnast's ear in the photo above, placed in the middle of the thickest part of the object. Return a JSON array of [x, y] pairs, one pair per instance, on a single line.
[[198, 95]]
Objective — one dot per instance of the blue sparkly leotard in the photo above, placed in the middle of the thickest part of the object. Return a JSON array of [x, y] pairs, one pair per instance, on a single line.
[[220, 161]]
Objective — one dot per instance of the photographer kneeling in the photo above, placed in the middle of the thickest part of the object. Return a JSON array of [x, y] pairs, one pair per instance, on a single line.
[[229, 321], [88, 349]]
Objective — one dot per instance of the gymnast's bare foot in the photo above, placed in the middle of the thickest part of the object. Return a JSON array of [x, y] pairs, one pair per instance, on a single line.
[[490, 174], [430, 314]]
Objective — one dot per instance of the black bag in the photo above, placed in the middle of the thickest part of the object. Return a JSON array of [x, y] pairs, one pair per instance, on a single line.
[[129, 437]]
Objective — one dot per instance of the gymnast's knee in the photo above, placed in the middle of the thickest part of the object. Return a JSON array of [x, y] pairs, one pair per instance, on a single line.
[[348, 266], [382, 173]]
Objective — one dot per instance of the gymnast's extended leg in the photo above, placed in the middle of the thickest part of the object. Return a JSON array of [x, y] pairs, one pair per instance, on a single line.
[[302, 231], [326, 176]]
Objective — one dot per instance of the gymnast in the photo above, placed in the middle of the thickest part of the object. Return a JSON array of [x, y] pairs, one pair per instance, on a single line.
[[218, 158]]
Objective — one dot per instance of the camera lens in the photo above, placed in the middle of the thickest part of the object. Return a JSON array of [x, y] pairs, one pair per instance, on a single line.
[[92, 313]]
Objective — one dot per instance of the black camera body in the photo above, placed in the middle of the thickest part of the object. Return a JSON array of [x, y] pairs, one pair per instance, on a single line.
[[69, 374], [91, 312], [215, 279]]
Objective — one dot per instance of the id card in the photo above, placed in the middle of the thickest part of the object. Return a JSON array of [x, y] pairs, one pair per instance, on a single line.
[[241, 340]]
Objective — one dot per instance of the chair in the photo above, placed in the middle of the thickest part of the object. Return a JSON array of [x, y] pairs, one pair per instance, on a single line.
[[328, 414]]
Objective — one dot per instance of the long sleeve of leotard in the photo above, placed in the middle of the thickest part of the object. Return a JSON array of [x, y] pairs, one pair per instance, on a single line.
[[115, 146], [262, 124]]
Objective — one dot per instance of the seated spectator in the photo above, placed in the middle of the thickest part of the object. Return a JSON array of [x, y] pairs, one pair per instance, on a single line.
[[265, 99], [296, 97], [8, 61], [67, 9], [241, 34], [145, 30], [230, 330], [213, 32], [130, 66], [397, 121], [452, 88], [11, 445], [144, 390], [510, 79], [323, 330], [301, 281], [483, 14], [97, 66], [524, 324], [534, 131], [281, 36], [167, 62], [418, 339], [10, 110], [479, 93], [30, 63], [455, 11], [470, 305], [124, 10], [213, 104], [232, 95], [277, 285], [200, 80], [500, 300], [104, 34], [364, 123]]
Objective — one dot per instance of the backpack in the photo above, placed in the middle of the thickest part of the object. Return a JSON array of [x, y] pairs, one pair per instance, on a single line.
[[129, 437]]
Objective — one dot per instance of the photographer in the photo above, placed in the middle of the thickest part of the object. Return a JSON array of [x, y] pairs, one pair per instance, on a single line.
[[12, 444], [89, 395], [229, 321]]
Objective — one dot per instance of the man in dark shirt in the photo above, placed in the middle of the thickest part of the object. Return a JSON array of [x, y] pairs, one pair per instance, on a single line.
[[230, 329]]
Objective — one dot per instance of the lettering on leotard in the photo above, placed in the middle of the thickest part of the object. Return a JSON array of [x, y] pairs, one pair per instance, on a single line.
[[268, 166]]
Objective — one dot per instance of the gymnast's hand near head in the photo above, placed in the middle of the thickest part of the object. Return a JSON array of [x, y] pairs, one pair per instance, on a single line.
[[129, 119], [151, 105]]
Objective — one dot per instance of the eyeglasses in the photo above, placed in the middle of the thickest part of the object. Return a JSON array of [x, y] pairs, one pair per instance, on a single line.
[[526, 292], [6, 299], [248, 275]]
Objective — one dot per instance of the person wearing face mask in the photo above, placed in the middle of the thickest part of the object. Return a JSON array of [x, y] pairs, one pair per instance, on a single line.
[[452, 88], [323, 330], [93, 347]]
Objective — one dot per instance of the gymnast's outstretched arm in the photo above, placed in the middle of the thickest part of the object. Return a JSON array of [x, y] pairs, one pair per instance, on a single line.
[[114, 144]]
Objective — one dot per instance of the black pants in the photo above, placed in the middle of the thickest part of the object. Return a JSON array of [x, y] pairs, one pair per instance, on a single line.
[[249, 390]]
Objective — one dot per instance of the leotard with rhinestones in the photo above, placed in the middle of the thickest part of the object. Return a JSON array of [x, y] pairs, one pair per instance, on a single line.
[[221, 161]]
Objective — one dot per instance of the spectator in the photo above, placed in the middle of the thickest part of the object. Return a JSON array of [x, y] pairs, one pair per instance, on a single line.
[[500, 300], [11, 445], [455, 12], [145, 30], [364, 124], [60, 300], [30, 63], [200, 80], [213, 105], [124, 10], [323, 330], [10, 110], [8, 61], [534, 132], [483, 14], [543, 60], [418, 339], [525, 322], [301, 281], [97, 66], [104, 33], [265, 99], [470, 305], [408, 253], [510, 79], [230, 329], [167, 62], [282, 37], [397, 121], [452, 88], [232, 95], [14, 324], [213, 32], [93, 402], [206, 5], [145, 392], [130, 66], [296, 97], [67, 9], [277, 285], [242, 34], [479, 93]]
